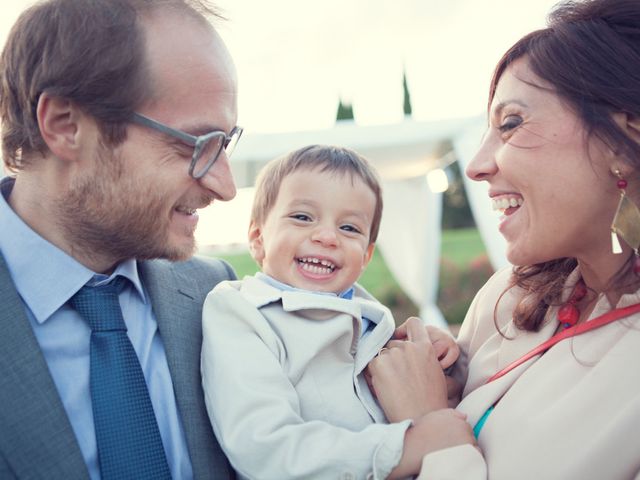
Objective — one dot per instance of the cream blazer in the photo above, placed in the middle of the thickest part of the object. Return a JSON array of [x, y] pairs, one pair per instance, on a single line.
[[281, 372], [571, 413]]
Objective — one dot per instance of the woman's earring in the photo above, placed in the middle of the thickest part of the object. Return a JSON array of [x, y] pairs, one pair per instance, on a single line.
[[626, 223]]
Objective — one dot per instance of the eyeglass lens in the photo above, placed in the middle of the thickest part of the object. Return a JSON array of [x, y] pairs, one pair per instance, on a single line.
[[207, 152]]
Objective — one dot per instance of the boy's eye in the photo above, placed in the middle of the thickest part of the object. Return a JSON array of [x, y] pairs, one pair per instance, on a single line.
[[510, 122], [303, 217], [350, 228]]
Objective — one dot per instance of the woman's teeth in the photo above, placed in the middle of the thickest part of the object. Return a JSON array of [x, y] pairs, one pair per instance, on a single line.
[[503, 203]]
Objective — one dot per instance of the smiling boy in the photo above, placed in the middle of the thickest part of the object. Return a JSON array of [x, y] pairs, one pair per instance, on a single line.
[[284, 351]]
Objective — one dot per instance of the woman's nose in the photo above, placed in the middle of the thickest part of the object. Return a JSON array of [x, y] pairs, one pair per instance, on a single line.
[[483, 165]]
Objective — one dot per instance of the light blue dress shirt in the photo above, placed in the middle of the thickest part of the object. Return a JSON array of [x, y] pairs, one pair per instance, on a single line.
[[46, 278], [367, 324]]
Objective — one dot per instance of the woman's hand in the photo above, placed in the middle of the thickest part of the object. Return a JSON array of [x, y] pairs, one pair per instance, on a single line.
[[407, 377], [435, 431]]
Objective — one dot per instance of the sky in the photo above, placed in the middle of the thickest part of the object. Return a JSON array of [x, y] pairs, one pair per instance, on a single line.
[[297, 58]]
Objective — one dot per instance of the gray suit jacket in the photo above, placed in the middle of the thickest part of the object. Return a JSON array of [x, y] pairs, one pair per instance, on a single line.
[[36, 438]]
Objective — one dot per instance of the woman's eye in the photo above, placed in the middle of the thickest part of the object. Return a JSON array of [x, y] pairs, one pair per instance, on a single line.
[[509, 123]]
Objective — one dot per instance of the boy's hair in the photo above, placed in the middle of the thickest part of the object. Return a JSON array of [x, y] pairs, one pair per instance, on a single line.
[[325, 159]]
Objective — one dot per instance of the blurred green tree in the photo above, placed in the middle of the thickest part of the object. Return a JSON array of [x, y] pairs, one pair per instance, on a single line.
[[345, 111], [406, 106], [455, 206]]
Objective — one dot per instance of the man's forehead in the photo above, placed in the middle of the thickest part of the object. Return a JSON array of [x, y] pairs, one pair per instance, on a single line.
[[175, 40], [189, 70]]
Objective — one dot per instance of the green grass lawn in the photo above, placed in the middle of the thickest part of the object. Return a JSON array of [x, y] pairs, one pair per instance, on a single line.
[[463, 270], [461, 246]]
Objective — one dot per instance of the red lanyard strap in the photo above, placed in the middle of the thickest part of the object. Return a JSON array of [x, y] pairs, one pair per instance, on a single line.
[[578, 329]]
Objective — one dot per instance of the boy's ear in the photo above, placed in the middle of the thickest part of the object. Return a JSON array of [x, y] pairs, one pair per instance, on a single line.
[[60, 122], [368, 255], [256, 246]]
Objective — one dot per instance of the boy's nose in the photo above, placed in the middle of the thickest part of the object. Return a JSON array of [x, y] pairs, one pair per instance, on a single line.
[[325, 236]]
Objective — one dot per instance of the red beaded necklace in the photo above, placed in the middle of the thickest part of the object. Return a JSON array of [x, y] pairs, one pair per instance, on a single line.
[[568, 314]]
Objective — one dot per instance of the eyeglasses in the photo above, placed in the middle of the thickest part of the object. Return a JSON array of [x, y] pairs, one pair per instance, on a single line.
[[207, 147]]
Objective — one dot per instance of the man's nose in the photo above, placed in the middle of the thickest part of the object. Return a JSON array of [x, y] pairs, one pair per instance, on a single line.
[[219, 179]]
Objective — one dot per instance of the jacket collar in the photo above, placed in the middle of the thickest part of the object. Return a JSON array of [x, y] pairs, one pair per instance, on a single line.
[[260, 293]]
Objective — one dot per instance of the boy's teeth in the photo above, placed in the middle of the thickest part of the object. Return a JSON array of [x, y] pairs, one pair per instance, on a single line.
[[316, 265], [314, 268]]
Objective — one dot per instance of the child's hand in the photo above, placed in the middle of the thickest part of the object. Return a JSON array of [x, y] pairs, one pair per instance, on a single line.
[[446, 348]]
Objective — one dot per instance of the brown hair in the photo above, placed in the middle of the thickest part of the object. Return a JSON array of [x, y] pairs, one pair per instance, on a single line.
[[326, 159], [590, 55], [90, 52]]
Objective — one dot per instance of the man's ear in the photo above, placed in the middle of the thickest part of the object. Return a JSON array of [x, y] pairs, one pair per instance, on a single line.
[[256, 246], [60, 124]]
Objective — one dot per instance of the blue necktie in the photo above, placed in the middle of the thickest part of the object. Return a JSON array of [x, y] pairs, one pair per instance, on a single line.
[[129, 442]]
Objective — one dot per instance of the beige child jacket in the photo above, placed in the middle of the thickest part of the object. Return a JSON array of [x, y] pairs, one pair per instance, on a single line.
[[282, 375]]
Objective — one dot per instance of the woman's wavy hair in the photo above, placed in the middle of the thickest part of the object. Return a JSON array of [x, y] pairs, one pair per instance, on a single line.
[[90, 52], [590, 54], [325, 158]]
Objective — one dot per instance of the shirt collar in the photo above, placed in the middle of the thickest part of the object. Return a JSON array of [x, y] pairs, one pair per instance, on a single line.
[[348, 294], [45, 286]]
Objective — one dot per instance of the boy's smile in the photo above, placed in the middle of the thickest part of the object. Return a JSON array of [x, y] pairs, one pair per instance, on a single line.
[[316, 266]]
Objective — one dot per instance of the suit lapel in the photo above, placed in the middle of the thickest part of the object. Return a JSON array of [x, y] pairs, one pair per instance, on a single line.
[[37, 439], [177, 303]]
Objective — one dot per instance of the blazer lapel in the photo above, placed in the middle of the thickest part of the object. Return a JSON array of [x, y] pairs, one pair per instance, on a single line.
[[37, 439], [177, 301]]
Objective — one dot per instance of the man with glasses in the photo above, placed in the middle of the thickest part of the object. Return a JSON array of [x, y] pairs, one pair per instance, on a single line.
[[118, 119]]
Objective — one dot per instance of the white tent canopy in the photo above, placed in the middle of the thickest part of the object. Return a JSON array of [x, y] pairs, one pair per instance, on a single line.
[[403, 154], [403, 150]]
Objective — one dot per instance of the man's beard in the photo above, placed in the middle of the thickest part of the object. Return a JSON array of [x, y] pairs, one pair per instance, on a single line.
[[106, 216]]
